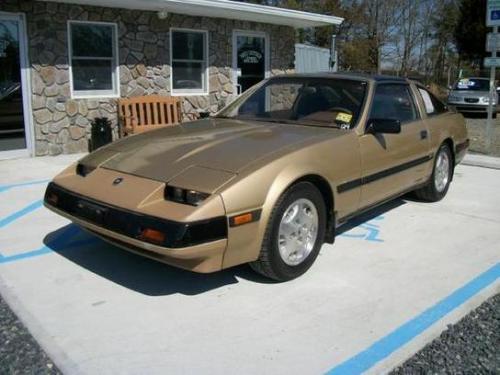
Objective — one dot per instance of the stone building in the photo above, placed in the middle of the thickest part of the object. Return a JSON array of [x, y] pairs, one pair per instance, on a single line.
[[66, 62]]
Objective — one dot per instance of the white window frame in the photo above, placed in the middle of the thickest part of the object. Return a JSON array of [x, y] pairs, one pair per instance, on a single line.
[[206, 81], [115, 79], [25, 87]]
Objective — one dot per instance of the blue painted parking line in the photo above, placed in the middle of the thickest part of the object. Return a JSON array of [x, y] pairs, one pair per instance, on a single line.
[[20, 184], [408, 331], [368, 231], [24, 255], [22, 212], [63, 239]]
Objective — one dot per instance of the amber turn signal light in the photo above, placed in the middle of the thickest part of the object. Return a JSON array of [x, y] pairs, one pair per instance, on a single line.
[[247, 217], [152, 235], [242, 219]]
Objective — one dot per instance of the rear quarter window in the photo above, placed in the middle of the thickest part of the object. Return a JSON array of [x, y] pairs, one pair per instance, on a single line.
[[433, 106]]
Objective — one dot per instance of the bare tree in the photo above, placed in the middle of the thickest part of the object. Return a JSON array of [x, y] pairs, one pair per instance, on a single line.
[[403, 36], [409, 32]]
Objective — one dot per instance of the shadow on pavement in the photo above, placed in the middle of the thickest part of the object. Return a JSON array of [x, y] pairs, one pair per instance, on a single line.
[[135, 272], [372, 214], [153, 278]]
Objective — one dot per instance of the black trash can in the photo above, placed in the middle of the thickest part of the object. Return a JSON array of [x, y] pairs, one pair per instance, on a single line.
[[101, 133]]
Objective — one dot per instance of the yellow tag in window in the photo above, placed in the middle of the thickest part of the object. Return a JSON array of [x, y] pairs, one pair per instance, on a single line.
[[344, 117]]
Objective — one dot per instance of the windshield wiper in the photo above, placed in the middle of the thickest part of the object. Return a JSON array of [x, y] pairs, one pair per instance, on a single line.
[[281, 121], [295, 122]]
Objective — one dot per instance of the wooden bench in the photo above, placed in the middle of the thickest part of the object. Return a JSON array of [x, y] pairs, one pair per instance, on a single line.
[[143, 113]]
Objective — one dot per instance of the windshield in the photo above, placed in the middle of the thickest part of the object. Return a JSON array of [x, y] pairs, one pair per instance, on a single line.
[[474, 84], [304, 101]]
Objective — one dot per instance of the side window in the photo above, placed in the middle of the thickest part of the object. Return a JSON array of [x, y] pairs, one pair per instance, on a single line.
[[394, 102], [189, 52], [433, 106]]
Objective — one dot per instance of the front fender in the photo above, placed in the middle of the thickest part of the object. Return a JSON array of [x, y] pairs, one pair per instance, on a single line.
[[260, 190], [335, 159]]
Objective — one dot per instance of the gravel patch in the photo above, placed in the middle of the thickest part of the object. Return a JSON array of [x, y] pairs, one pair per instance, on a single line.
[[471, 346], [19, 352], [477, 133]]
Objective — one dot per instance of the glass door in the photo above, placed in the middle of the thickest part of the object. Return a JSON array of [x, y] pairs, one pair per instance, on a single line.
[[13, 139], [250, 59]]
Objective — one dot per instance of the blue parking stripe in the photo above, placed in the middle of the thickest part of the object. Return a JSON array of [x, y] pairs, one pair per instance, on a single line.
[[408, 331], [29, 183], [22, 212], [29, 254], [63, 240]]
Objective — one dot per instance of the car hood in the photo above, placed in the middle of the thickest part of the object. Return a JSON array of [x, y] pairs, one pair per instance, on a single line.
[[219, 144]]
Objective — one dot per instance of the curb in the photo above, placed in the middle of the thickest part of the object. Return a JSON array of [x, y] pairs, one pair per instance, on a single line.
[[483, 161]]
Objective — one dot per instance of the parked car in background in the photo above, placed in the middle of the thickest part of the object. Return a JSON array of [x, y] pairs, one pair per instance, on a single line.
[[471, 95], [270, 177]]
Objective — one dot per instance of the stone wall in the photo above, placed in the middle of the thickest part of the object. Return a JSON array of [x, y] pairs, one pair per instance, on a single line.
[[62, 124]]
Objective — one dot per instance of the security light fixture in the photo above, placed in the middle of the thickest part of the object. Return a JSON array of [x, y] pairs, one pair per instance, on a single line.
[[162, 14]]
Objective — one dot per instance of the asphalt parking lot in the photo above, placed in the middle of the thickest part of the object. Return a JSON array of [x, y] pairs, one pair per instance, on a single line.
[[390, 284]]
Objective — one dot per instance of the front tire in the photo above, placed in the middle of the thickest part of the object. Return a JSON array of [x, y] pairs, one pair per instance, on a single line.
[[294, 234], [442, 173]]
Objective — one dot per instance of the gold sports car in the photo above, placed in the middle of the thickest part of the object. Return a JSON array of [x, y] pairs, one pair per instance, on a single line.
[[268, 179]]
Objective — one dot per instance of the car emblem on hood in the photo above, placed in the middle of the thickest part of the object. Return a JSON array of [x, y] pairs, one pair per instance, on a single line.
[[117, 181]]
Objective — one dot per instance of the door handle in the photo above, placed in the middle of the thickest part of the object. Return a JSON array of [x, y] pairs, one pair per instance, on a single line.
[[424, 134]]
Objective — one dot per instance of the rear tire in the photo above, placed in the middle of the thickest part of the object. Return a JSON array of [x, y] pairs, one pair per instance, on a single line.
[[294, 234], [442, 173]]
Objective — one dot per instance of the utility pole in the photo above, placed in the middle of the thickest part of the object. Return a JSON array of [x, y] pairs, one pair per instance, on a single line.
[[333, 54], [492, 44], [489, 122], [377, 37]]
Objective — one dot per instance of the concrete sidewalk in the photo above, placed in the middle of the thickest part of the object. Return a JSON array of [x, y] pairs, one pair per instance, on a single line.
[[484, 161], [389, 285]]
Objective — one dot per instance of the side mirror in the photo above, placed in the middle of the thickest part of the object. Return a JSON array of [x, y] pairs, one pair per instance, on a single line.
[[384, 126]]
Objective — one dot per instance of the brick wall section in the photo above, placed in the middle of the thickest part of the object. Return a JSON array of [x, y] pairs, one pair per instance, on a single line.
[[62, 124]]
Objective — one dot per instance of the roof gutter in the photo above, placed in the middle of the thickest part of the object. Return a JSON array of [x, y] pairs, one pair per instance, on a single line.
[[222, 9]]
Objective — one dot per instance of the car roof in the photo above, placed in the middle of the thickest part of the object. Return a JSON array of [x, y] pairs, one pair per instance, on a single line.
[[350, 75]]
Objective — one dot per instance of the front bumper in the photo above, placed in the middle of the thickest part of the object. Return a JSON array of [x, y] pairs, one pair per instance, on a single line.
[[198, 246], [470, 108]]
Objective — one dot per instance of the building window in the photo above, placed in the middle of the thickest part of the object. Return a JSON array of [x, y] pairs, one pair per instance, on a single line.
[[93, 59], [189, 61]]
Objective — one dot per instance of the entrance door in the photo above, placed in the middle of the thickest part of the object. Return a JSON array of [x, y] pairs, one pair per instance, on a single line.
[[14, 141], [250, 59]]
